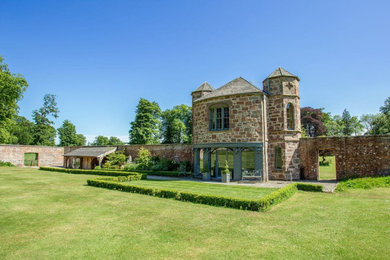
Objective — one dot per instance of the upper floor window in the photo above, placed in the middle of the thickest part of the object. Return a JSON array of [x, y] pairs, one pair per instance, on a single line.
[[290, 116], [219, 118]]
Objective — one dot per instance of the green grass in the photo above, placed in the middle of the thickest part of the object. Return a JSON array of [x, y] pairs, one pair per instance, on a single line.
[[328, 172], [55, 215], [364, 183], [240, 192]]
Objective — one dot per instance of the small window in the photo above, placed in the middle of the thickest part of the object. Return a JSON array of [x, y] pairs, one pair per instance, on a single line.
[[278, 158], [219, 118], [290, 116], [30, 159]]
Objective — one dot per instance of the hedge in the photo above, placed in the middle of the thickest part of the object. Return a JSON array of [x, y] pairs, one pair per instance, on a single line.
[[310, 187], [93, 172], [262, 204]]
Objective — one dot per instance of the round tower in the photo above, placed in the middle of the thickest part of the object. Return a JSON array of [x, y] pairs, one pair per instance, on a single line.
[[284, 124]]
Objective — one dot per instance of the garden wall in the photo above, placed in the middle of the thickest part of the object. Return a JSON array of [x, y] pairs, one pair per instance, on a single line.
[[181, 152], [47, 155], [355, 156]]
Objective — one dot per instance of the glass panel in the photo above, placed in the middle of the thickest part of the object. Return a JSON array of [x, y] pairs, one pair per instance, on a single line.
[[248, 160], [226, 118], [219, 118]]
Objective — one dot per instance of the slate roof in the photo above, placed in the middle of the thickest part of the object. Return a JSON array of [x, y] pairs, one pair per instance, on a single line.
[[204, 87], [281, 72], [91, 151], [236, 86]]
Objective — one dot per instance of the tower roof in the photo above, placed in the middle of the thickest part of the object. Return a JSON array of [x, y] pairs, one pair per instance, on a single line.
[[204, 87], [280, 72], [236, 86]]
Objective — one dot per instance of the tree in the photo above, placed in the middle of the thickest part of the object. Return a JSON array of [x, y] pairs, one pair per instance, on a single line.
[[356, 125], [311, 119], [146, 127], [115, 160], [23, 130], [177, 125], [385, 109], [44, 132], [368, 122], [12, 87], [334, 126], [381, 125], [115, 141], [68, 135], [347, 120], [104, 141], [100, 141]]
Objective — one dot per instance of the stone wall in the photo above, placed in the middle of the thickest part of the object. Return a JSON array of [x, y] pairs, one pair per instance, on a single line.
[[355, 156], [245, 120], [47, 155], [181, 152]]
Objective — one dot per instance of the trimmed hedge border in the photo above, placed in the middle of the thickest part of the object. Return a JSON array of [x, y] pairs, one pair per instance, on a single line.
[[262, 204], [93, 172]]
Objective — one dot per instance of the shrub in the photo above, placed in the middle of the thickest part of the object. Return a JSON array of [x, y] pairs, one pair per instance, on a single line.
[[130, 167], [6, 164], [326, 163], [97, 168], [115, 160], [309, 187], [364, 183], [144, 159], [226, 168]]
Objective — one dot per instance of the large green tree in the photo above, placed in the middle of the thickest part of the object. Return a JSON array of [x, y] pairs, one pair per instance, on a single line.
[[103, 141], [23, 130], [12, 87], [146, 128], [348, 123], [68, 135], [177, 125], [44, 131]]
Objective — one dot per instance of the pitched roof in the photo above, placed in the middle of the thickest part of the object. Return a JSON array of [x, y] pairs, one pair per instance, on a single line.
[[236, 86], [281, 72], [91, 151], [204, 87]]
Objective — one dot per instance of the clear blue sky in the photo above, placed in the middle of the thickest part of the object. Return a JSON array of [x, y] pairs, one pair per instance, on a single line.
[[100, 57]]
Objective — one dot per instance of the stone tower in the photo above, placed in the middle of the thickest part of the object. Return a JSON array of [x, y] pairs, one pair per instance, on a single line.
[[203, 90], [284, 124]]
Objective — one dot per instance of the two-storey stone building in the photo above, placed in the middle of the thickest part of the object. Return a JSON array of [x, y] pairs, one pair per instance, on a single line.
[[256, 130]]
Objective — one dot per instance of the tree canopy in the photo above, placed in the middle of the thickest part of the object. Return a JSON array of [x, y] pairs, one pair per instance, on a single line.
[[312, 121], [104, 141], [68, 135], [177, 125], [44, 132], [146, 128]]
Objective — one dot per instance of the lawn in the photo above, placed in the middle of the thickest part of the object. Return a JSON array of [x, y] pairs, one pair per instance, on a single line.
[[55, 215], [240, 192], [328, 172]]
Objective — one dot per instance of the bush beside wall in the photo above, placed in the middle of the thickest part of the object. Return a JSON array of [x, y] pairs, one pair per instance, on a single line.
[[92, 172], [6, 164]]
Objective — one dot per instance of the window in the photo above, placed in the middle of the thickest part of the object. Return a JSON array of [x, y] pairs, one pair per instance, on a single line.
[[290, 116], [219, 118], [278, 158]]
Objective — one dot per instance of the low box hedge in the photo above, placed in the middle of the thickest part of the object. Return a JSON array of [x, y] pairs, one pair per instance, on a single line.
[[93, 172], [310, 187], [262, 204]]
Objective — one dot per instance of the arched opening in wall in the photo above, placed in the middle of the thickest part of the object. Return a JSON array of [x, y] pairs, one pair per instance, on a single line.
[[326, 165], [290, 116]]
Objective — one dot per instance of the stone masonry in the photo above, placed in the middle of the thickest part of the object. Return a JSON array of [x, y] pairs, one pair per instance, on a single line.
[[358, 156], [47, 155]]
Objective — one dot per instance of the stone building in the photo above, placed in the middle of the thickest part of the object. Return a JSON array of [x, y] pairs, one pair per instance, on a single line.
[[256, 130]]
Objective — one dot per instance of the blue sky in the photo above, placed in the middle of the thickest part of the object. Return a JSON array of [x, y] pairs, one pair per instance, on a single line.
[[101, 57]]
